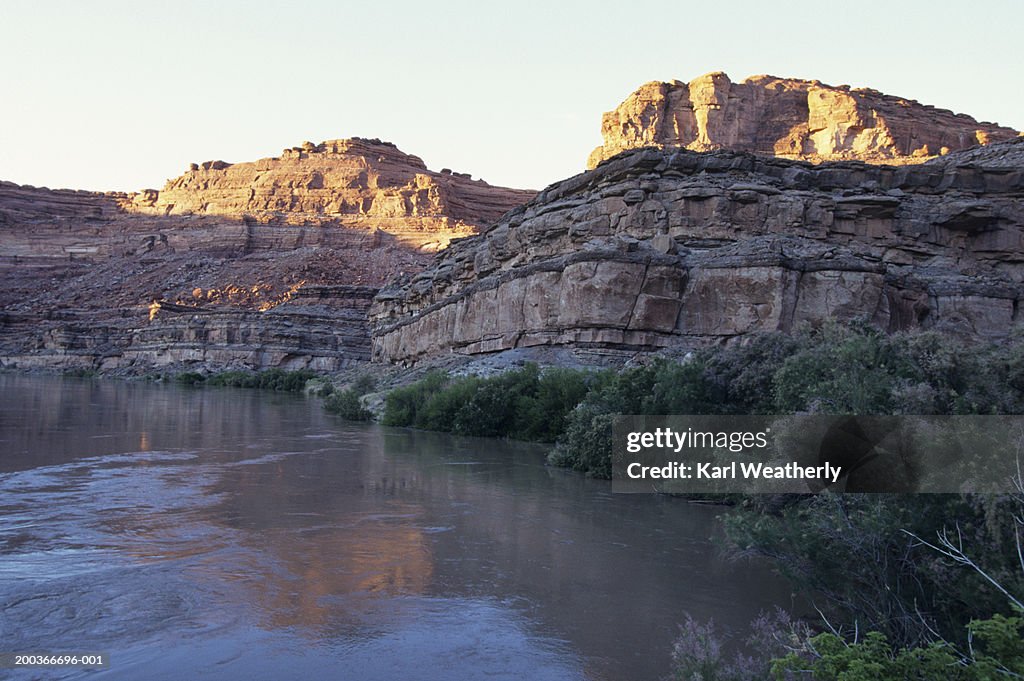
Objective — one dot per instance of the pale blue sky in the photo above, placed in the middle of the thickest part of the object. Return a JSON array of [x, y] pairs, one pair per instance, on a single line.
[[123, 95]]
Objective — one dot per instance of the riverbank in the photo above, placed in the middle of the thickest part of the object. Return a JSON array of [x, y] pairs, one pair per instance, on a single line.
[[871, 563], [863, 559]]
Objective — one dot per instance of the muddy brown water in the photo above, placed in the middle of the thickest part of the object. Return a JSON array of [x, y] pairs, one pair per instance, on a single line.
[[236, 534]]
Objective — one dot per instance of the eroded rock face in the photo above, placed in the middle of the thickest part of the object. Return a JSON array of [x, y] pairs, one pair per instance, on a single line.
[[657, 248], [796, 119], [255, 265], [78, 277], [349, 180]]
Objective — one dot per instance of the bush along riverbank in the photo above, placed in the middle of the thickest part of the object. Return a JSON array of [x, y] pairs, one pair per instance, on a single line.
[[271, 379], [832, 370]]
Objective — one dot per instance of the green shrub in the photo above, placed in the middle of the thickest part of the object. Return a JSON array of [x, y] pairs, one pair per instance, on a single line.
[[662, 387], [323, 389], [739, 378], [235, 379], [682, 389], [442, 407], [348, 405], [586, 445], [492, 409], [402, 405], [834, 369], [525, 403], [839, 371], [271, 379], [190, 378], [542, 418], [364, 383], [996, 651], [287, 381]]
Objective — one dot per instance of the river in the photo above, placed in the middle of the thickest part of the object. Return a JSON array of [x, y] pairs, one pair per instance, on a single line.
[[240, 534]]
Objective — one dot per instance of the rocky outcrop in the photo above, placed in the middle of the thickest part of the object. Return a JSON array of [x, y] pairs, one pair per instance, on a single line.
[[321, 328], [251, 265], [24, 204], [351, 180], [796, 119], [659, 248], [77, 291]]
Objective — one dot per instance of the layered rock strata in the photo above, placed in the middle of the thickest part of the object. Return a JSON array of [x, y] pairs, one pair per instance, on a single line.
[[77, 292], [322, 328], [659, 248], [250, 266], [352, 180], [789, 118]]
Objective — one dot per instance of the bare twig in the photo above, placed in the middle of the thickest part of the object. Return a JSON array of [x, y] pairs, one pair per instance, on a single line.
[[956, 553]]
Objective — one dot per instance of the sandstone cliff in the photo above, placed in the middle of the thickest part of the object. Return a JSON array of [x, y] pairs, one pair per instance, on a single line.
[[265, 264], [356, 181], [797, 119], [659, 248]]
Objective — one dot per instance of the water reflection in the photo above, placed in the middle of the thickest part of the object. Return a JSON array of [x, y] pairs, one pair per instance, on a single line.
[[253, 534]]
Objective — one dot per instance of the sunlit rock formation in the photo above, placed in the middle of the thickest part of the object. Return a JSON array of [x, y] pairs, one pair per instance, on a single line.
[[366, 183], [797, 119]]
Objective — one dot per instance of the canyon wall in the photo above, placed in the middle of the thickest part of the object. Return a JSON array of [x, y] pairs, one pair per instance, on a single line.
[[277, 262], [797, 119], [244, 265], [659, 248]]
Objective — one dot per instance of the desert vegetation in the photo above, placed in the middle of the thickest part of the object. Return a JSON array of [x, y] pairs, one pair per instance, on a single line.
[[271, 379], [525, 404], [348, 402], [835, 369]]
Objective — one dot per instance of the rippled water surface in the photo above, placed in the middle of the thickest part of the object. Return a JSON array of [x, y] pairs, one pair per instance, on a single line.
[[220, 534]]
